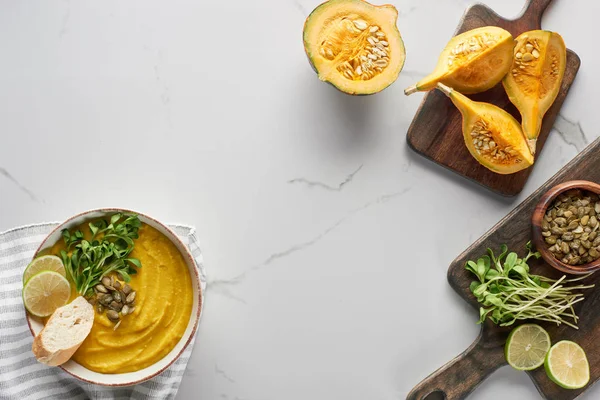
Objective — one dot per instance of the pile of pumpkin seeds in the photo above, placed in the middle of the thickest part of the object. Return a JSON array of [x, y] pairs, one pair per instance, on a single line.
[[571, 228], [115, 297]]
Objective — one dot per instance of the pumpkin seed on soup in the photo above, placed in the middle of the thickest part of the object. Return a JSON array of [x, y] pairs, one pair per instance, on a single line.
[[114, 297], [116, 306], [130, 298], [101, 289], [112, 315]]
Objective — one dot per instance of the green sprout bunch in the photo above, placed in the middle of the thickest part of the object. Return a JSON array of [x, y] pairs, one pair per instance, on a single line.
[[508, 292], [106, 252]]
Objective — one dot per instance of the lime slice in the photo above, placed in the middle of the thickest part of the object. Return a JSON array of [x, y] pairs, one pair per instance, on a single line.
[[526, 347], [567, 365], [44, 263], [45, 292]]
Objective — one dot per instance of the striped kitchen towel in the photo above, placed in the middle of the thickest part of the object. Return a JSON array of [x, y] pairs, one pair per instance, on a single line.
[[21, 376]]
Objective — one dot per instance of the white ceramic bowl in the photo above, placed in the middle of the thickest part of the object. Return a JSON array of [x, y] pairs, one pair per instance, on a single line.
[[129, 378]]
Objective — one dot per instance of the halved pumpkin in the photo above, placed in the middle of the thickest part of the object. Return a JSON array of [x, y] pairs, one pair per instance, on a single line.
[[354, 45], [471, 62], [535, 79], [492, 136]]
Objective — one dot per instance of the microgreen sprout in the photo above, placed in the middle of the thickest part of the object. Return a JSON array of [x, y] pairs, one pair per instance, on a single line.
[[508, 292], [107, 251]]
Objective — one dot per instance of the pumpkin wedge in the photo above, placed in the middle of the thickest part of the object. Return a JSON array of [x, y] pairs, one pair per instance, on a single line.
[[535, 79], [354, 45], [471, 62], [493, 137]]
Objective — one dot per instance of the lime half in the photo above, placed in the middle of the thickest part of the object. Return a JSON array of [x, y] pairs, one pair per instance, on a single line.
[[44, 263], [567, 365], [526, 347], [45, 292]]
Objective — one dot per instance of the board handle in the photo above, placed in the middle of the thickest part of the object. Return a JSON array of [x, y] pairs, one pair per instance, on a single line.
[[534, 9], [462, 375]]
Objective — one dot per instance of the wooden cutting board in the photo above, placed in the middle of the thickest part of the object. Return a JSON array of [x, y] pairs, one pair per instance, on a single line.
[[460, 376], [436, 130]]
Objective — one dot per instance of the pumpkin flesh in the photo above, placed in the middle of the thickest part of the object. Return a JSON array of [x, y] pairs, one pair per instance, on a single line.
[[471, 62], [354, 45], [492, 136], [535, 79]]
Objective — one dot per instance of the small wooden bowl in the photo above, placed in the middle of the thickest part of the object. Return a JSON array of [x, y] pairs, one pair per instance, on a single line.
[[538, 215]]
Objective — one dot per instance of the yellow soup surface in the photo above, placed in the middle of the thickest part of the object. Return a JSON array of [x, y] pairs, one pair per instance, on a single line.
[[163, 305]]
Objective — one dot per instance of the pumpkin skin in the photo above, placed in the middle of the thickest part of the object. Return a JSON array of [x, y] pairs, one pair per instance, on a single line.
[[354, 45], [484, 124], [471, 62], [535, 78]]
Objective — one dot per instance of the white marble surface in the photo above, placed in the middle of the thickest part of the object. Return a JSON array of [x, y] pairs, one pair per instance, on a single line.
[[326, 239]]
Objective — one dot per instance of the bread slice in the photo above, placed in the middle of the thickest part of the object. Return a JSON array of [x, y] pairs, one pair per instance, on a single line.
[[64, 332]]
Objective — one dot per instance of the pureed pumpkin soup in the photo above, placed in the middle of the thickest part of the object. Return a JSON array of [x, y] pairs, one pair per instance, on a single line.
[[145, 325]]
